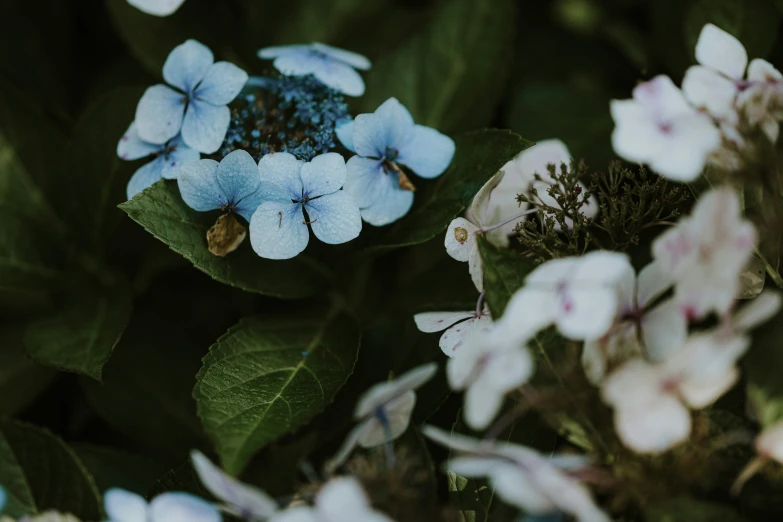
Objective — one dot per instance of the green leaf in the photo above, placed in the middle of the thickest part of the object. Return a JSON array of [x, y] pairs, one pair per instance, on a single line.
[[21, 379], [479, 156], [268, 376], [40, 472], [762, 365], [504, 273], [450, 75], [93, 195], [146, 393], [161, 211], [115, 468], [81, 335], [753, 22]]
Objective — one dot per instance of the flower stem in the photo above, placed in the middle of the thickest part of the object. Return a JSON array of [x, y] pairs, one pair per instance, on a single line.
[[507, 221]]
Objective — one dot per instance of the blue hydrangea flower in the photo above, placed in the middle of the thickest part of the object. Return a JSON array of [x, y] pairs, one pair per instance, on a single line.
[[296, 114], [306, 194], [385, 141], [199, 108], [330, 65], [233, 185], [169, 157], [124, 506]]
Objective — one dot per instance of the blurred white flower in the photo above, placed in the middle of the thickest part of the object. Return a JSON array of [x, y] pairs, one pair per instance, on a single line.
[[457, 325], [521, 476], [342, 499], [384, 412], [652, 401], [487, 370], [706, 252], [660, 329], [157, 7], [659, 128]]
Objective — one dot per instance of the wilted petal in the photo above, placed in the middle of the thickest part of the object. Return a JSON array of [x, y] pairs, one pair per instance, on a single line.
[[205, 126], [719, 50], [187, 64], [182, 507], [278, 230], [427, 152], [221, 84], [334, 218], [159, 114]]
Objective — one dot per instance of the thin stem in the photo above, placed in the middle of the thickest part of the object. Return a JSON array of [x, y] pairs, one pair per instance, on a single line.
[[480, 302], [507, 221]]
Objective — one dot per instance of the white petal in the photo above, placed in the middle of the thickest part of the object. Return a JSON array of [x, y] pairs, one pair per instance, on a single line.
[[453, 338], [124, 506], [633, 385], [701, 393], [655, 427], [461, 239], [770, 442], [653, 281], [334, 218], [159, 114], [762, 71], [528, 311], [267, 53], [705, 88], [686, 148], [536, 160], [594, 360], [244, 499], [343, 499], [661, 96], [187, 64], [719, 50], [398, 415], [664, 329], [278, 231], [758, 310], [382, 393], [586, 314], [296, 514], [430, 322], [182, 507], [482, 404], [156, 7]]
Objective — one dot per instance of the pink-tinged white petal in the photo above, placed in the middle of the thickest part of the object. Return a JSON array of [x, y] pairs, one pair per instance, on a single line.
[[661, 95], [721, 51], [429, 322], [707, 89], [688, 144], [452, 339], [654, 427], [460, 239], [586, 313]]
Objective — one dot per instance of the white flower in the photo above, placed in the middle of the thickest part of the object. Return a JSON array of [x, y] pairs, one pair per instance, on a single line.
[[717, 84], [461, 237], [487, 370], [769, 443], [659, 128], [384, 412], [340, 500], [577, 294], [652, 401], [661, 328], [706, 252], [520, 177], [241, 500], [457, 325], [124, 506], [521, 476], [157, 7]]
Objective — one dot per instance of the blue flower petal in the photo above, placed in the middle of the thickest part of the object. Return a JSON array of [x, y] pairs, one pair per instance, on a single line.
[[182, 507], [392, 204], [240, 181], [199, 186], [369, 136], [187, 64], [123, 506], [396, 121], [427, 152], [159, 114], [268, 53], [221, 84], [336, 75], [145, 177], [364, 182], [181, 155], [344, 131], [278, 231], [132, 147], [265, 192], [323, 174], [3, 498], [334, 218], [205, 126], [355, 60], [282, 169]]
